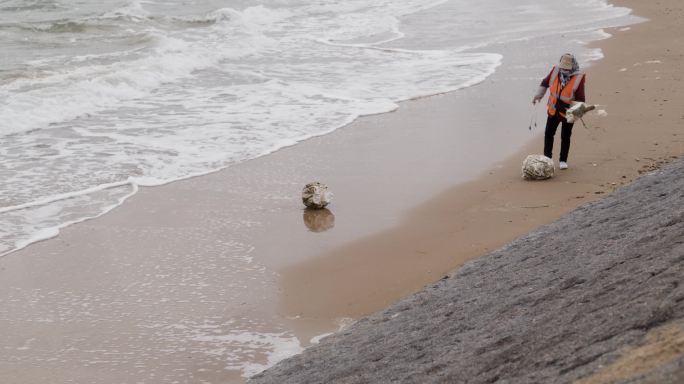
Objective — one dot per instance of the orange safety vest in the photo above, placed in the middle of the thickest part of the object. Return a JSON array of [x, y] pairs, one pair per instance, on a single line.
[[566, 94]]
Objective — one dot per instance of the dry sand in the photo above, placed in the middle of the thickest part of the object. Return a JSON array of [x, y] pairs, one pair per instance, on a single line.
[[172, 282], [660, 346]]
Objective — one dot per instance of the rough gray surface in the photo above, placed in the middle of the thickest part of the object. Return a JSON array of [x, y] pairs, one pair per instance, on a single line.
[[552, 306]]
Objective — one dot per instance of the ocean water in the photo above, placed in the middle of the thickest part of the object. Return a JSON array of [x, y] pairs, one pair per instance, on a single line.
[[100, 97]]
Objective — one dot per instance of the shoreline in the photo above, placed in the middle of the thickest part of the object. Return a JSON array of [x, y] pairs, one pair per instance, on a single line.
[[153, 213]]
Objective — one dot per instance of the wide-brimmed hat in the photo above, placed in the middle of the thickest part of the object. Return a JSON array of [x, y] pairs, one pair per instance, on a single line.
[[566, 61]]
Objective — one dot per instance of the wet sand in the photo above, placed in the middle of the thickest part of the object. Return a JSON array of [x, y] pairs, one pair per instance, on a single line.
[[209, 278]]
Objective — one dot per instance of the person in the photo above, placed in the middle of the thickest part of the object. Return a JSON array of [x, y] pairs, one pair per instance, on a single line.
[[567, 85]]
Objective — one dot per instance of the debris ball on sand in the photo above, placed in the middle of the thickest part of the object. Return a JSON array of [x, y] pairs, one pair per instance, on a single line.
[[316, 195], [537, 167]]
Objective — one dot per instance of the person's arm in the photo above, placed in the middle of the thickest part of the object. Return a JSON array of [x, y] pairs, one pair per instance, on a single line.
[[547, 79], [579, 94], [542, 88]]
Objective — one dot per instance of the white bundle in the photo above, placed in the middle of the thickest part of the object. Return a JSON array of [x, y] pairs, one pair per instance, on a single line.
[[316, 195], [537, 167]]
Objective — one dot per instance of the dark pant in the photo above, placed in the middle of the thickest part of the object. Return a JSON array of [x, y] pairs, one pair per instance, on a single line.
[[566, 131]]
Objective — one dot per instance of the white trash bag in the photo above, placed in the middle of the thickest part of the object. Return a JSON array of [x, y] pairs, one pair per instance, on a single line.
[[537, 167]]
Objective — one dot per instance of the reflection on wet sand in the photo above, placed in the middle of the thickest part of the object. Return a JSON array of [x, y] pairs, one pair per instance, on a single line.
[[318, 220]]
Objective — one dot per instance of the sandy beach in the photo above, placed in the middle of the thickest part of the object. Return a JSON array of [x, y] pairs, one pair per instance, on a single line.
[[201, 275], [640, 131]]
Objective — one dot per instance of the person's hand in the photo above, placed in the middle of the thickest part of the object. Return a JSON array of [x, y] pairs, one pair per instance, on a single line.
[[535, 100]]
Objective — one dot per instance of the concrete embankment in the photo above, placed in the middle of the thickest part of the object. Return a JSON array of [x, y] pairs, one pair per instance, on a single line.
[[596, 296]]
